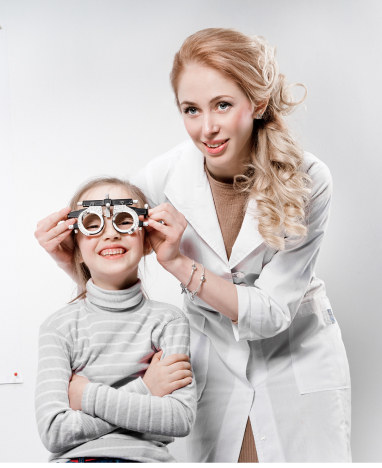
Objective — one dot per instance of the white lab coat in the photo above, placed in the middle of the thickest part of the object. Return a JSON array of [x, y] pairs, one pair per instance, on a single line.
[[284, 364]]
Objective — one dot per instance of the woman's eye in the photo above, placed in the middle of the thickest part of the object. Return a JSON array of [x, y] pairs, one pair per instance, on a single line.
[[223, 106], [124, 223], [190, 110]]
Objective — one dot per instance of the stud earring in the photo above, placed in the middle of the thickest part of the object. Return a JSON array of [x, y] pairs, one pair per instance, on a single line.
[[259, 116]]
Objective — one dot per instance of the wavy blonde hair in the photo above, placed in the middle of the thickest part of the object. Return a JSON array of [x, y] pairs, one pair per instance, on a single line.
[[275, 174]]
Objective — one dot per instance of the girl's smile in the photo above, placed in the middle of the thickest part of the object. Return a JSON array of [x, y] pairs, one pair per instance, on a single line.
[[113, 252], [111, 257]]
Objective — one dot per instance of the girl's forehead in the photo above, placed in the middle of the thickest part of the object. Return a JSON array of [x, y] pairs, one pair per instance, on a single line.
[[99, 193]]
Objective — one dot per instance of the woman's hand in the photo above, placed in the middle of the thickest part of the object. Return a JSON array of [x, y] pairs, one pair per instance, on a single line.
[[77, 386], [54, 236], [170, 374], [165, 238]]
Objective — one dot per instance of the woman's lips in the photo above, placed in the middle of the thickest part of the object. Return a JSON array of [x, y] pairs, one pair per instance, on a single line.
[[222, 146]]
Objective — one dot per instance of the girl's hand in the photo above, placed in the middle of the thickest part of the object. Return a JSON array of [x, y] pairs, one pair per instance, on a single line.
[[77, 386], [55, 238], [165, 238], [170, 374]]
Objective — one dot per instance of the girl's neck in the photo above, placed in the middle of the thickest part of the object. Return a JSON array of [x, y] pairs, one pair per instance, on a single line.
[[111, 284]]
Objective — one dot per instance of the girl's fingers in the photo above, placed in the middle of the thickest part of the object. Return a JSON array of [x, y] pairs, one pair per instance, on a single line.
[[179, 375], [182, 365], [167, 361], [180, 384]]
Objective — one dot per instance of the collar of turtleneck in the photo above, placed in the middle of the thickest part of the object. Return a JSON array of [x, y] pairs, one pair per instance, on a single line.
[[113, 301]]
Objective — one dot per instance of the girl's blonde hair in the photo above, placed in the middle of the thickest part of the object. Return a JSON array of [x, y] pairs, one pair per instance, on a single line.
[[275, 176], [82, 271]]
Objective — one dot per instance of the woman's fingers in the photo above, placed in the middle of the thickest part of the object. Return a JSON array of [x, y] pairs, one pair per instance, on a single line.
[[51, 246], [170, 210], [48, 227], [52, 220], [56, 231]]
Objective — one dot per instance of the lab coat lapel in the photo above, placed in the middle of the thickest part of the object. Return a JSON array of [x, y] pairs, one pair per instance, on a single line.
[[189, 192], [249, 237]]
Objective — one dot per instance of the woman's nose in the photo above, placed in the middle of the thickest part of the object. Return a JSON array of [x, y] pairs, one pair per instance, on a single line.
[[210, 126]]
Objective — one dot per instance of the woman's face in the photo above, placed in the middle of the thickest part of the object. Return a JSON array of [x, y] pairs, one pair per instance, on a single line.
[[218, 117], [111, 257]]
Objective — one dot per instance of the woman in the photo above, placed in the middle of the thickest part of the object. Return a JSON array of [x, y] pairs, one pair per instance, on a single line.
[[245, 201]]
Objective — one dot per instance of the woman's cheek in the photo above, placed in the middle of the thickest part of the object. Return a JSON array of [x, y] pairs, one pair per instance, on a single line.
[[191, 127]]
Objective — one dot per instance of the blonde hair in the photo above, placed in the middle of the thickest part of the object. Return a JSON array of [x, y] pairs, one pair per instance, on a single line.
[[81, 269], [275, 175]]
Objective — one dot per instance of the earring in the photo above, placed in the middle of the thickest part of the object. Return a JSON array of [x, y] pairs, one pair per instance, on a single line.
[[259, 116]]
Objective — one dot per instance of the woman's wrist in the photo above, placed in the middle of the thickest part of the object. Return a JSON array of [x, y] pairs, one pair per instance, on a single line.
[[69, 269], [178, 266]]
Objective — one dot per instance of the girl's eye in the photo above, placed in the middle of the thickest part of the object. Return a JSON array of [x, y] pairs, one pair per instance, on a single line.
[[224, 105], [190, 110]]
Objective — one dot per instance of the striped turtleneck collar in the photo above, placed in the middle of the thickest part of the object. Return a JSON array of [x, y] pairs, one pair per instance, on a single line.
[[113, 301]]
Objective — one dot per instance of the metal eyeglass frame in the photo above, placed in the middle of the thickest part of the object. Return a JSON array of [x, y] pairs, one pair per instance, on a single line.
[[120, 205]]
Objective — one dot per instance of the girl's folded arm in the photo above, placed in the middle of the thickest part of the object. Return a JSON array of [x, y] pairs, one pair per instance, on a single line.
[[60, 427], [171, 415]]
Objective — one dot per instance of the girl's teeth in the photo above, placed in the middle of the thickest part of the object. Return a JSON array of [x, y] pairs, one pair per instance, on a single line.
[[104, 253]]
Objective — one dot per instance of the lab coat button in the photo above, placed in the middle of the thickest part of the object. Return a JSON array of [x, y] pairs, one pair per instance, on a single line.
[[263, 438]]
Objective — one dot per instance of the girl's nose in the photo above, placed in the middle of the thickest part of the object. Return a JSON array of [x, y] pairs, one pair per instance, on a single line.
[[210, 126], [109, 232]]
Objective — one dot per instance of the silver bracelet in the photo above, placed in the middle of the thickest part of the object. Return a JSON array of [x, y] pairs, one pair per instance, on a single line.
[[184, 287], [192, 294]]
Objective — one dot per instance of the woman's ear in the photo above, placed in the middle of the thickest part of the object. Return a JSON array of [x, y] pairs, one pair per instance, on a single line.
[[260, 108]]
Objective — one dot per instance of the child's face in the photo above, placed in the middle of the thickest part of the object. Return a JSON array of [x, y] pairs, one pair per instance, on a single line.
[[111, 257]]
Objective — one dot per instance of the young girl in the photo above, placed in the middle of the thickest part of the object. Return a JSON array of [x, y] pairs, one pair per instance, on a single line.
[[91, 403]]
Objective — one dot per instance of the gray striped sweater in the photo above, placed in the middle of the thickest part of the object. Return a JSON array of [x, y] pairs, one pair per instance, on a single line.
[[107, 338]]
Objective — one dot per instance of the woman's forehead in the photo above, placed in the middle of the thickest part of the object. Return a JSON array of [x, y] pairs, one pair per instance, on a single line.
[[100, 192], [201, 82]]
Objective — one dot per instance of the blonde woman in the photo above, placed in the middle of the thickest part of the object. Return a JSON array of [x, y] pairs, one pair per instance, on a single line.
[[239, 215]]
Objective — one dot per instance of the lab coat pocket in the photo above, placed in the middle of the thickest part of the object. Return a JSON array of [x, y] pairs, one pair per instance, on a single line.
[[200, 347], [317, 350]]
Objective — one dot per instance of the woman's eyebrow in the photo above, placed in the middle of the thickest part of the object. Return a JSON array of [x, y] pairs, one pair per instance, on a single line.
[[216, 98]]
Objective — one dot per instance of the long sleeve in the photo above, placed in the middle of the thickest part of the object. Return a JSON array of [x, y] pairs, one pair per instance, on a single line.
[[60, 427], [269, 307], [171, 415]]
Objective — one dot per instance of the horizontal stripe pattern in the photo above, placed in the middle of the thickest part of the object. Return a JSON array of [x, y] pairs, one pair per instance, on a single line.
[[111, 349]]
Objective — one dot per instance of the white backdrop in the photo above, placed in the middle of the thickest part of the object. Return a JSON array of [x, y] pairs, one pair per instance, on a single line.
[[90, 95]]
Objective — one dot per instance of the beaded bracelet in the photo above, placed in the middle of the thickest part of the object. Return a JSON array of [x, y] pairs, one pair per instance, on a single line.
[[192, 294], [184, 287]]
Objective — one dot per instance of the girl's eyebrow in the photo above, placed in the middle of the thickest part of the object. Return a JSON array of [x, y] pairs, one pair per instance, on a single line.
[[216, 98]]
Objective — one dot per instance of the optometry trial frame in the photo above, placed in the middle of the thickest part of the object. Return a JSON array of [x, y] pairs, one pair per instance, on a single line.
[[122, 212]]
